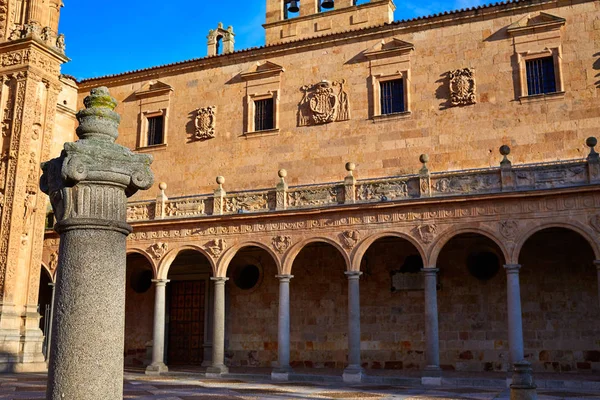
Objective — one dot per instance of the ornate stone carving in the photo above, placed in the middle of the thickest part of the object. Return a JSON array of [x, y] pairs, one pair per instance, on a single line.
[[467, 183], [60, 42], [426, 232], [216, 247], [245, 203], [595, 222], [205, 123], [389, 190], [323, 103], [462, 87], [312, 197], [137, 212], [158, 250], [509, 229], [185, 208], [350, 239], [281, 243], [53, 263]]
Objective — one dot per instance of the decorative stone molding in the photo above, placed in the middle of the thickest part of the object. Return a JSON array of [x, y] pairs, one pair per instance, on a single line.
[[323, 103], [350, 238], [216, 247], [509, 229], [281, 243], [462, 87], [158, 250], [426, 232], [205, 123]]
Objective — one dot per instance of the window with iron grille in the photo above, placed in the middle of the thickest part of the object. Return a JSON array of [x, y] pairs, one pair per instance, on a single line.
[[155, 130], [392, 96], [263, 115], [540, 76]]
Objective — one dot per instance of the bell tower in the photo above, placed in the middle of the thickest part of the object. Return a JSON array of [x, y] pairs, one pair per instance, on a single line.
[[31, 54], [289, 20]]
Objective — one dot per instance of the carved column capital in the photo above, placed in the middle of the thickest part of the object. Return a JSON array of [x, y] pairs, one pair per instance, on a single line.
[[284, 278], [89, 183], [430, 271], [219, 280], [512, 268], [353, 275], [161, 282]]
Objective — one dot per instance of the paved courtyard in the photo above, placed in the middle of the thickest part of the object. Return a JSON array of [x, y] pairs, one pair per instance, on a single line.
[[138, 386]]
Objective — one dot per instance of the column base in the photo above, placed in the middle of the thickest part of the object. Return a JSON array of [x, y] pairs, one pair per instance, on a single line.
[[523, 386], [156, 369], [353, 374], [281, 373], [20, 349], [215, 371], [432, 376]]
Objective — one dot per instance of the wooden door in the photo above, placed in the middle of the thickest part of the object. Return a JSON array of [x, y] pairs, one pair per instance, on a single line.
[[186, 323]]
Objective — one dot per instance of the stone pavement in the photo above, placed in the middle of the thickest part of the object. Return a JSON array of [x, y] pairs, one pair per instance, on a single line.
[[138, 386]]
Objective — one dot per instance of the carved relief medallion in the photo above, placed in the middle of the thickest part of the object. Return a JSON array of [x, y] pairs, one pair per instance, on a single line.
[[462, 87], [323, 103], [205, 123], [216, 247], [158, 250], [281, 243], [426, 232], [509, 229], [350, 238]]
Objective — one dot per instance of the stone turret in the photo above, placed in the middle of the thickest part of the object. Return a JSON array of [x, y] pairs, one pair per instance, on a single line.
[[220, 40]]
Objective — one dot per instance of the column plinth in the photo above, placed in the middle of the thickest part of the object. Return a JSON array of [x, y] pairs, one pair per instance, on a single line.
[[88, 186], [158, 338], [283, 336], [218, 366], [354, 372], [432, 372]]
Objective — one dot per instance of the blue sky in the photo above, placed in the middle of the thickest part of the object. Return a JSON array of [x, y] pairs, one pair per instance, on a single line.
[[112, 36]]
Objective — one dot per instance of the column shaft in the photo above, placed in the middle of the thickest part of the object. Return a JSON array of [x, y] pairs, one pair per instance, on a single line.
[[35, 11], [158, 341], [218, 361], [283, 335], [515, 320], [354, 370], [431, 320]]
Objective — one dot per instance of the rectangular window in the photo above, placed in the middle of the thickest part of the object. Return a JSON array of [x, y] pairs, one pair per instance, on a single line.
[[155, 130], [263, 115], [540, 76], [392, 96]]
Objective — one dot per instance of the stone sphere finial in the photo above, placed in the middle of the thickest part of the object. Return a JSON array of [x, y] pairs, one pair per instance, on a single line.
[[162, 186], [350, 167], [282, 173], [591, 141], [424, 158], [504, 150], [220, 180]]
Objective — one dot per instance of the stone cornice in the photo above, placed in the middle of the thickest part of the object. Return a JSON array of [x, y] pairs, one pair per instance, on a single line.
[[260, 53], [9, 46]]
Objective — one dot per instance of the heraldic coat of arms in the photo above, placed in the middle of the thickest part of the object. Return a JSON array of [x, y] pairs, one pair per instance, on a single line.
[[323, 103]]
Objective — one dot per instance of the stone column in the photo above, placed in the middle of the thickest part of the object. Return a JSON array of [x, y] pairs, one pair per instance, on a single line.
[[55, 6], [218, 366], [597, 264], [35, 12], [88, 186], [354, 372], [158, 338], [515, 321], [432, 373], [49, 333], [283, 337]]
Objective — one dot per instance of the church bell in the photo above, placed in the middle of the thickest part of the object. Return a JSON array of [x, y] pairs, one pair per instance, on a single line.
[[327, 4], [293, 7]]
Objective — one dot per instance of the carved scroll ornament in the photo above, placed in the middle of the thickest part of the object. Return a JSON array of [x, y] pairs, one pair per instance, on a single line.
[[462, 87]]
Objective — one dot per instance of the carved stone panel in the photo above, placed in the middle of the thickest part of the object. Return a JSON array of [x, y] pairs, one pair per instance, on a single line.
[[312, 197], [185, 208], [246, 203], [388, 190], [323, 103], [462, 87], [205, 123]]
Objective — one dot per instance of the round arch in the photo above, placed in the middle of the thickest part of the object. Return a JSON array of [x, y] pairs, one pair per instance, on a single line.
[[146, 256], [441, 241], [582, 231], [49, 272], [165, 264], [362, 248], [223, 264], [288, 261]]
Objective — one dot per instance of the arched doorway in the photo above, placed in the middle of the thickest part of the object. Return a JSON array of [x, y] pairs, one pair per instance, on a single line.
[[139, 311], [251, 308], [559, 295], [392, 304], [189, 293], [319, 308], [472, 304], [45, 306]]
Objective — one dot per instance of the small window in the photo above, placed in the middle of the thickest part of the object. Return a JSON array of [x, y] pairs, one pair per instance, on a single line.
[[392, 96], [155, 130], [541, 78], [263, 115]]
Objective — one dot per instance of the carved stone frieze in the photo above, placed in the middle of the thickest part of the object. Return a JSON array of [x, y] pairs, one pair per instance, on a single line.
[[138, 212], [185, 208], [281, 243], [158, 250], [216, 247], [350, 238], [389, 190], [467, 184], [426, 232], [509, 229], [245, 203], [205, 123], [32, 57], [323, 103], [462, 87], [312, 197]]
